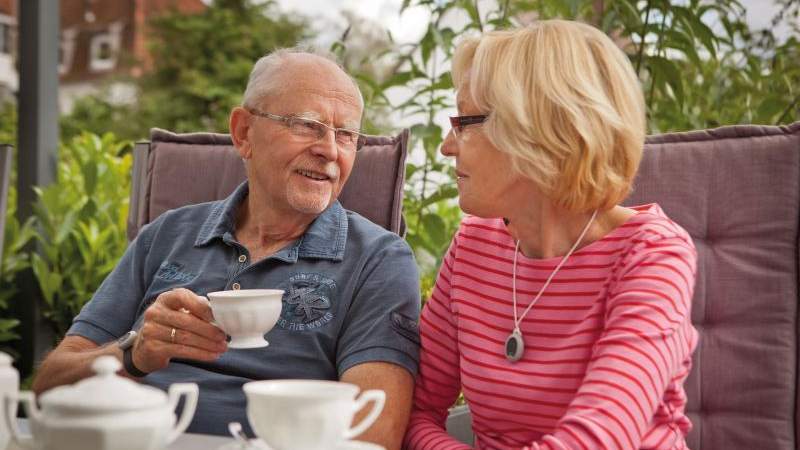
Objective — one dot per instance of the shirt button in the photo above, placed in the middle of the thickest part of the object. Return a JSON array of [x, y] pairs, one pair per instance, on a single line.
[[242, 258], [236, 286]]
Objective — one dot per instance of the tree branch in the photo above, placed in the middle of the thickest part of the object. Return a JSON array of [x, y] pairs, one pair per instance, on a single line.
[[644, 31], [788, 110]]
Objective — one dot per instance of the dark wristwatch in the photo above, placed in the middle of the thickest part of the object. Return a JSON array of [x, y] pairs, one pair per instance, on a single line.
[[125, 343]]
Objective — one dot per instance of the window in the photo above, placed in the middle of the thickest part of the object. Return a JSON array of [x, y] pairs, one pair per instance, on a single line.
[[104, 48], [5, 39]]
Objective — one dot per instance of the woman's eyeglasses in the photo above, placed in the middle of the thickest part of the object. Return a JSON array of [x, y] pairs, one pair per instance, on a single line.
[[459, 122]]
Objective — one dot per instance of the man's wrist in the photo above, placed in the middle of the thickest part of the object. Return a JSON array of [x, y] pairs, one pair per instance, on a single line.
[[126, 343], [127, 362]]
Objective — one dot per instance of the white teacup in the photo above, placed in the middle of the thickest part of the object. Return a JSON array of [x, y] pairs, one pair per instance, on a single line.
[[246, 314], [307, 414]]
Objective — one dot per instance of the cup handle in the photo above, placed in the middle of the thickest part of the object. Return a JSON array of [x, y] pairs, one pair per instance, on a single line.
[[213, 320], [189, 392], [378, 398], [10, 402]]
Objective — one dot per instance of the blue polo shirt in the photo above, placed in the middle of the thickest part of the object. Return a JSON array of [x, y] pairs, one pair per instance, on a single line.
[[351, 296]]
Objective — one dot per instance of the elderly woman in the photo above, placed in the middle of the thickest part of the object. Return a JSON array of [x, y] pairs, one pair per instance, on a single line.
[[563, 317]]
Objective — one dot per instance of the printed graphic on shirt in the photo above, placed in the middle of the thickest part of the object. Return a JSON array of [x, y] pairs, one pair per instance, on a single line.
[[170, 271], [306, 301]]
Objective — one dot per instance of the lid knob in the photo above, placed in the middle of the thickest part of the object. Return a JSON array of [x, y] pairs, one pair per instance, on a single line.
[[106, 365]]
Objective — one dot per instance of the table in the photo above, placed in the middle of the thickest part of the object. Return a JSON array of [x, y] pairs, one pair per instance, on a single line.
[[186, 441]]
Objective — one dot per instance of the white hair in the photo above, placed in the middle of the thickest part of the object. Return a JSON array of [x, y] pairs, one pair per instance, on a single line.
[[264, 81]]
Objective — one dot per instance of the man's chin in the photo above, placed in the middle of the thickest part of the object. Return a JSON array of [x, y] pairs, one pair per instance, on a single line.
[[310, 206]]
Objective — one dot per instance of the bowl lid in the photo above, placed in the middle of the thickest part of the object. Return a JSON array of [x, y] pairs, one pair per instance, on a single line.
[[104, 392]]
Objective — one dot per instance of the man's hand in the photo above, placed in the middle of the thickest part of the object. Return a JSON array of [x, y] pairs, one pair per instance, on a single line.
[[177, 325]]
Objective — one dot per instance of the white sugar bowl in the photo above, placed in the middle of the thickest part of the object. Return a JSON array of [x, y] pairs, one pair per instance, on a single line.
[[104, 412]]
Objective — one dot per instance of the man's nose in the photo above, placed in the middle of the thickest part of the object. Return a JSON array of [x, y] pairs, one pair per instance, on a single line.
[[326, 146], [449, 145]]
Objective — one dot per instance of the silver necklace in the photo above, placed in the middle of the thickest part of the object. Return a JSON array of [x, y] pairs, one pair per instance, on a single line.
[[515, 345]]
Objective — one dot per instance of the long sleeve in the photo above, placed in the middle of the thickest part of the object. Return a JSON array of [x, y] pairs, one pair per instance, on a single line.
[[438, 382], [642, 356]]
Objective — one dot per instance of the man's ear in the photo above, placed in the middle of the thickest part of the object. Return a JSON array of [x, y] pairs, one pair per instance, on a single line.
[[239, 124]]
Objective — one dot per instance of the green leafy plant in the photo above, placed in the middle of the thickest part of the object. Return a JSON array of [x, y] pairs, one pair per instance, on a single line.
[[80, 224], [14, 260], [702, 66], [423, 68], [16, 237]]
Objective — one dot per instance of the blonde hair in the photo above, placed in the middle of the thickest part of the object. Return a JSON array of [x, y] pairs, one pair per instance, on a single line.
[[564, 103]]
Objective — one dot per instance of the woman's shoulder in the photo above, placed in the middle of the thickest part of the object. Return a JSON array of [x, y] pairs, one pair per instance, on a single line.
[[651, 230], [651, 223]]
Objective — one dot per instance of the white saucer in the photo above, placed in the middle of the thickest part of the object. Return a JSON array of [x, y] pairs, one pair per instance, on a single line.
[[258, 444]]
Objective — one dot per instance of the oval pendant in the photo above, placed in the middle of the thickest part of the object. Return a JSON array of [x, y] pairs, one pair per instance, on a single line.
[[515, 346]]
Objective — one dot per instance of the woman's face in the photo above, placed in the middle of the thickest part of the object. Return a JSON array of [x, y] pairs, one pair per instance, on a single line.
[[487, 186]]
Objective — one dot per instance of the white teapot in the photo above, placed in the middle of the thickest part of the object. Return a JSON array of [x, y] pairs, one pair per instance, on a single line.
[[104, 412]]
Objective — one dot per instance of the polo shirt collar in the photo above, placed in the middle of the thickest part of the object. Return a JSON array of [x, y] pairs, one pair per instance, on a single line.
[[325, 238]]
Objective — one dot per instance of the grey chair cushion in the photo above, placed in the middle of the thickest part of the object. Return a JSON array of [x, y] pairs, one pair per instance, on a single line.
[[173, 170], [736, 191]]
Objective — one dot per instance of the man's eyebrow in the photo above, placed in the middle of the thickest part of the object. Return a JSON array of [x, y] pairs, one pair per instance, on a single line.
[[350, 125], [308, 115]]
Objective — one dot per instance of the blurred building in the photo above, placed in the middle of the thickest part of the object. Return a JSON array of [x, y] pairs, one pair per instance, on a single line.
[[100, 40]]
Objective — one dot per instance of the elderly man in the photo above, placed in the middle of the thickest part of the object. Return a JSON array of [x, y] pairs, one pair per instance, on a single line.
[[352, 295]]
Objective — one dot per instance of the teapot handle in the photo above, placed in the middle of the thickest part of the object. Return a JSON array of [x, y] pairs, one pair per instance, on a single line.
[[189, 392], [10, 402]]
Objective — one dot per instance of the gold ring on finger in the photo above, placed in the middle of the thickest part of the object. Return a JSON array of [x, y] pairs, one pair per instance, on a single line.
[[172, 335]]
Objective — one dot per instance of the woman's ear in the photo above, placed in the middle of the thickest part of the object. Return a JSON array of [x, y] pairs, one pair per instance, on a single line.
[[239, 125]]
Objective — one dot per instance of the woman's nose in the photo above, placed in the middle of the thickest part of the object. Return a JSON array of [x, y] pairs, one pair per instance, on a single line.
[[449, 146]]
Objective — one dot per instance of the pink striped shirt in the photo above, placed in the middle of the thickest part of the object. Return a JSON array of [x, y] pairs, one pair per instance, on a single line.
[[607, 347]]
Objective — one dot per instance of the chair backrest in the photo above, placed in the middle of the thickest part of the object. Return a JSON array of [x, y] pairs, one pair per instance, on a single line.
[[736, 190], [5, 179], [173, 170]]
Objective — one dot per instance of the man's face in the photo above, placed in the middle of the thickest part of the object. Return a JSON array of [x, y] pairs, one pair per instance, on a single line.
[[297, 174]]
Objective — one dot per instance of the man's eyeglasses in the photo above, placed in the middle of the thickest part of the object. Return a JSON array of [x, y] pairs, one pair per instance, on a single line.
[[346, 138], [459, 122]]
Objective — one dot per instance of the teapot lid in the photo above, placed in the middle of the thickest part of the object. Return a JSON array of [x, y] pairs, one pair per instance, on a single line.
[[105, 391]]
